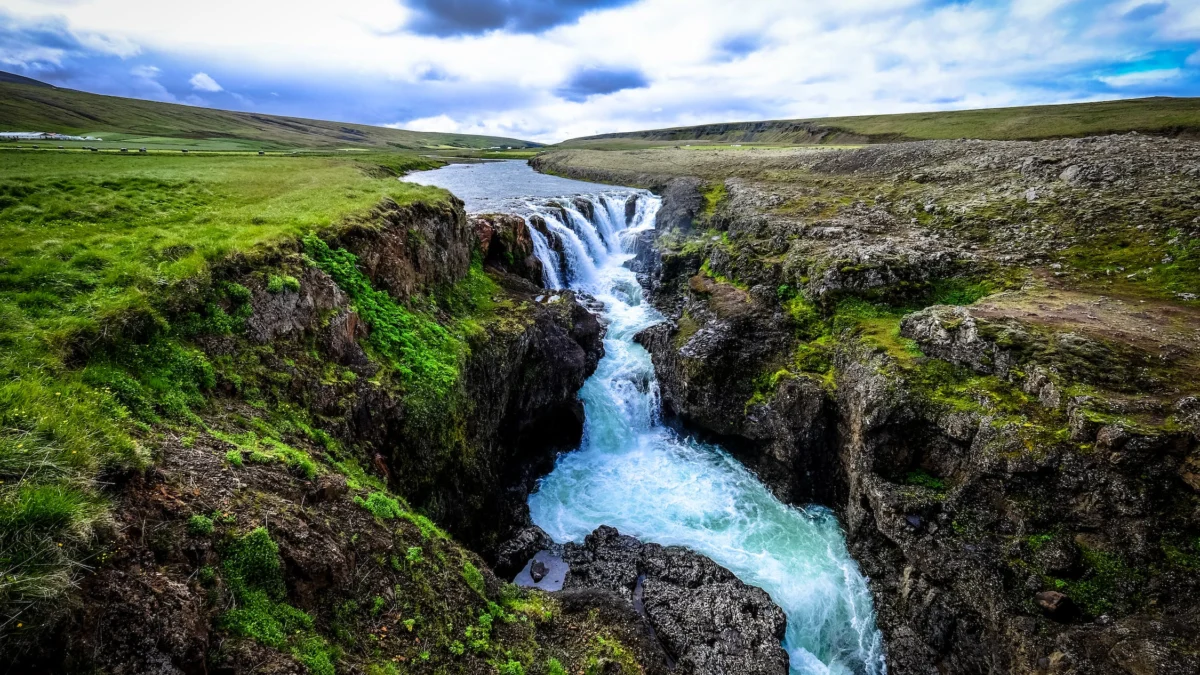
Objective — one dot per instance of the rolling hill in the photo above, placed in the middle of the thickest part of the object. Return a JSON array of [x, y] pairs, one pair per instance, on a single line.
[[30, 105], [1161, 115]]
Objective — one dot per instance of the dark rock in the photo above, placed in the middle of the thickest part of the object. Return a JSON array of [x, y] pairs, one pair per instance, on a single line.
[[537, 571], [682, 203], [512, 555], [505, 244], [328, 486], [630, 208], [1054, 604], [707, 619]]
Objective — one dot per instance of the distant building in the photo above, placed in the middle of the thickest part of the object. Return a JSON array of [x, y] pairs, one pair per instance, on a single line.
[[42, 136]]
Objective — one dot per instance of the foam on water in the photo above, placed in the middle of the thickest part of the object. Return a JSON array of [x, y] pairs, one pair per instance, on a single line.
[[645, 479]]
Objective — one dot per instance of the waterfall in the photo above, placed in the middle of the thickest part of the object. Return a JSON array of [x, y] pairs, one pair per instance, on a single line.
[[587, 244], [648, 480], [546, 255]]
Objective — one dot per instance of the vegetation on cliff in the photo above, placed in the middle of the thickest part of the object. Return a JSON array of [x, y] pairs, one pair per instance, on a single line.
[[103, 263], [985, 354]]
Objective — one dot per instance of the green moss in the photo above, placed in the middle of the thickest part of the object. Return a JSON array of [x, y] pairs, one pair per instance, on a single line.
[[424, 353], [248, 445], [1107, 584], [200, 525], [922, 478], [1184, 555], [252, 570], [1035, 542], [555, 667], [607, 655], [473, 577], [713, 196], [428, 529], [381, 505], [511, 668], [414, 556], [280, 283]]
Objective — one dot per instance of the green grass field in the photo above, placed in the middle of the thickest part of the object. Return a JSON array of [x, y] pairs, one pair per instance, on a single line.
[[1148, 115], [96, 246], [136, 123]]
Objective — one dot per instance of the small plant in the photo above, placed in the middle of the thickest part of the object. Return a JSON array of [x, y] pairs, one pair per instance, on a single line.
[[377, 605], [555, 667], [206, 575], [922, 478], [512, 668], [381, 506], [281, 283], [200, 525], [473, 577], [457, 648], [234, 457], [414, 556]]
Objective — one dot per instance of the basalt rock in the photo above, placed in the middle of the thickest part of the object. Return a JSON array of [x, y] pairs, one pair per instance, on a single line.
[[1018, 478], [708, 620], [505, 244]]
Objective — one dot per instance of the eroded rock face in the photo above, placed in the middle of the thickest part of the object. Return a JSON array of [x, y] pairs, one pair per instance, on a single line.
[[708, 620], [505, 244], [406, 249], [1010, 473]]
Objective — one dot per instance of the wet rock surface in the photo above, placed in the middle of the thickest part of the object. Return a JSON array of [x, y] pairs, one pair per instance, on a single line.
[[707, 619]]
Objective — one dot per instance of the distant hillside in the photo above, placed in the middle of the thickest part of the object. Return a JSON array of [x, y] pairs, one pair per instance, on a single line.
[[30, 105], [1175, 116]]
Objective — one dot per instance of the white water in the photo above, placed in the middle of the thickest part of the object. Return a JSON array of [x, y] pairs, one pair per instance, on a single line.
[[643, 478]]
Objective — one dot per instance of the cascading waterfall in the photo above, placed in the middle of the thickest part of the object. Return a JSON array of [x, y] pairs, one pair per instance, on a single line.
[[548, 257], [643, 478]]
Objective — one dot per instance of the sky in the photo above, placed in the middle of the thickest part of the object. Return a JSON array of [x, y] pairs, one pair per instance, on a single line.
[[548, 70]]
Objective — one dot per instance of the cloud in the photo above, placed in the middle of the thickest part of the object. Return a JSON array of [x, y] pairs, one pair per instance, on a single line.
[[1143, 78], [588, 82], [737, 46], [1145, 11], [442, 123], [202, 82], [547, 71], [146, 72], [473, 17]]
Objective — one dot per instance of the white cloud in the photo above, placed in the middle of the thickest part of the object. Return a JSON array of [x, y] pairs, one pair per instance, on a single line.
[[1194, 59], [829, 58], [443, 123], [147, 72], [1146, 77], [202, 82]]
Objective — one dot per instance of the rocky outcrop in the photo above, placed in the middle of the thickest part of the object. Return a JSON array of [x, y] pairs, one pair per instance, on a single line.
[[708, 620], [1017, 477], [505, 244], [407, 249], [305, 424]]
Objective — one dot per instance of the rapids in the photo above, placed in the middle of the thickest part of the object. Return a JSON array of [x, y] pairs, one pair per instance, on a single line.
[[648, 480]]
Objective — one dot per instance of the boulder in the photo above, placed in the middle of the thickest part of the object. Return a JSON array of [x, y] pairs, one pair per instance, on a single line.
[[706, 618]]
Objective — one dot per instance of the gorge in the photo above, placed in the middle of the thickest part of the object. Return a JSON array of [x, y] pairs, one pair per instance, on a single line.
[[655, 482]]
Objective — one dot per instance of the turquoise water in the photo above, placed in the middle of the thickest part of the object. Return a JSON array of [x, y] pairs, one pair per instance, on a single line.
[[643, 478]]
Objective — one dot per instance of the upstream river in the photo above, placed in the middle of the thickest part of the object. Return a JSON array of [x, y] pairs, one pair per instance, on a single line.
[[646, 479]]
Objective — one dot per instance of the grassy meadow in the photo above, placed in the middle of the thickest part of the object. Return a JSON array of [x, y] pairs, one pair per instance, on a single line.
[[136, 123], [1149, 115], [96, 246]]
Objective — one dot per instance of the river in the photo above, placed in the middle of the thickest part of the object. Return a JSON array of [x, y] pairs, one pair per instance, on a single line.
[[648, 480]]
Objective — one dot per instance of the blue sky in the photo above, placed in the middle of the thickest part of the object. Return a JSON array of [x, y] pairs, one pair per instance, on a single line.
[[548, 70]]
